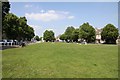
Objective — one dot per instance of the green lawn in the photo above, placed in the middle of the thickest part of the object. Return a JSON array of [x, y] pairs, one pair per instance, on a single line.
[[61, 60]]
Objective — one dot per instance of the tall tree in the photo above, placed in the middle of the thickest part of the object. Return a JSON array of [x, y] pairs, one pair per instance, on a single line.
[[87, 32], [5, 8], [10, 26], [68, 33], [75, 35], [48, 36], [22, 28], [29, 34], [17, 28], [109, 34]]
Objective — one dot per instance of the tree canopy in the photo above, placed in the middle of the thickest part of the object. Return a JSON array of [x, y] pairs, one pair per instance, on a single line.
[[68, 33], [5, 8], [109, 34], [16, 28], [87, 32], [75, 35], [63, 37], [49, 36]]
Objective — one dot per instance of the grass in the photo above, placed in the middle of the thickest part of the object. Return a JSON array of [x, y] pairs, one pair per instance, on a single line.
[[61, 60]]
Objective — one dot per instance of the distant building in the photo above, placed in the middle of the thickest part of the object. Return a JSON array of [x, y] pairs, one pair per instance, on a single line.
[[58, 38], [98, 35]]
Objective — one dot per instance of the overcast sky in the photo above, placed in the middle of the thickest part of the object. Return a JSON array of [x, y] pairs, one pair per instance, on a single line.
[[57, 16]]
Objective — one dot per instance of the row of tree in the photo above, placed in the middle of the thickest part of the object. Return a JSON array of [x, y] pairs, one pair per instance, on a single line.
[[85, 32], [14, 27]]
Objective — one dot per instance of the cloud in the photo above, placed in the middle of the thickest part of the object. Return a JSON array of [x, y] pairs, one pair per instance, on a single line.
[[71, 17], [42, 11], [50, 15], [28, 6]]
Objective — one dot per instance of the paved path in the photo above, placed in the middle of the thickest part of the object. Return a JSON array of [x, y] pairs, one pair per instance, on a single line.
[[15, 46], [34, 43], [7, 47]]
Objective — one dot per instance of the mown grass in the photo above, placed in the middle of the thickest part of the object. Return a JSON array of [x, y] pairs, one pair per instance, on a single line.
[[61, 60]]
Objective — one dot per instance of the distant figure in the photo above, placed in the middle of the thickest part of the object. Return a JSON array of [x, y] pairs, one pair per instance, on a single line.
[[85, 43], [22, 43]]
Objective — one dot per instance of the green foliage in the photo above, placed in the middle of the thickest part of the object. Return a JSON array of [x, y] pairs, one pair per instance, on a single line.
[[17, 28], [37, 38], [68, 33], [110, 34], [75, 35], [63, 37], [29, 33], [5, 8], [13, 26], [10, 27], [48, 36], [87, 32]]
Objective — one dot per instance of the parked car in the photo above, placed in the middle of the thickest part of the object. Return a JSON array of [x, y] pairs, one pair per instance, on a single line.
[[16, 42], [1, 42], [5, 42], [10, 42]]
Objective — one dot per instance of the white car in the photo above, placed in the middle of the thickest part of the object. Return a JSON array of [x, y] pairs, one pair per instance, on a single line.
[[3, 42]]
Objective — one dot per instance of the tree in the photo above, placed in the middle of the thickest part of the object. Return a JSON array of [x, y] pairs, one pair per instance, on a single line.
[[68, 33], [37, 38], [10, 26], [5, 8], [16, 28], [75, 35], [23, 28], [48, 36], [4, 4], [87, 32], [29, 33], [63, 37], [109, 34]]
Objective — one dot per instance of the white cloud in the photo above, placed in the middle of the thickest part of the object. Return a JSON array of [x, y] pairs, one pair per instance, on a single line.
[[64, 12], [42, 11], [28, 6], [50, 15], [52, 11], [71, 17]]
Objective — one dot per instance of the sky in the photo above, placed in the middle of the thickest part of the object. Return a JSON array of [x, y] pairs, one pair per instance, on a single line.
[[57, 16]]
